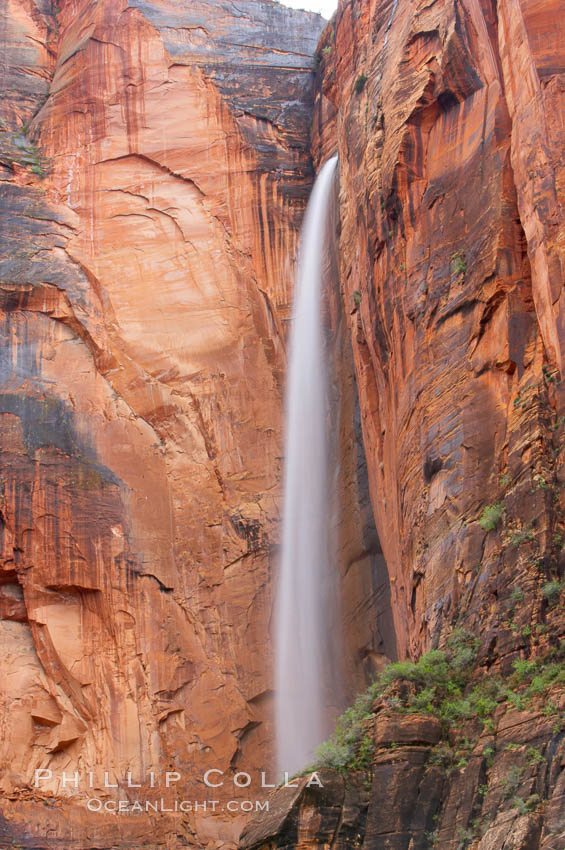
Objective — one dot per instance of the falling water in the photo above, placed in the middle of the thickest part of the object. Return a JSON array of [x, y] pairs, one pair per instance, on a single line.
[[301, 627]]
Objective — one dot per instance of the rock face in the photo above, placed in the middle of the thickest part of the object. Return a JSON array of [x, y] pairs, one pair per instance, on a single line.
[[446, 118], [311, 815], [413, 802], [155, 169], [367, 640]]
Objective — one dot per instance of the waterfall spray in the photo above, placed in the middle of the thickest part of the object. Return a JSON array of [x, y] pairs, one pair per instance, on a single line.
[[301, 627]]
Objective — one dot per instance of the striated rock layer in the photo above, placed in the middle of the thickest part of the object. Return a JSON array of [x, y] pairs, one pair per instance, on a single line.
[[413, 803], [155, 169], [447, 118]]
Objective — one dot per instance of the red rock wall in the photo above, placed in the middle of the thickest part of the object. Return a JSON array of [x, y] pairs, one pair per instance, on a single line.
[[154, 170], [151, 206], [446, 117]]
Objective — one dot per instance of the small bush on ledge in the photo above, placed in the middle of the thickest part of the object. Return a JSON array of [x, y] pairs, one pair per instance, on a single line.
[[552, 590], [458, 263], [491, 516]]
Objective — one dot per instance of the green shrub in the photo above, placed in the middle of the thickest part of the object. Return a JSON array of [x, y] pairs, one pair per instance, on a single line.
[[462, 649], [360, 83], [524, 669], [488, 755], [551, 591], [491, 516], [332, 754], [439, 684], [456, 709], [538, 674], [423, 702], [534, 756], [465, 837], [483, 706], [458, 263], [522, 535], [512, 780], [519, 804]]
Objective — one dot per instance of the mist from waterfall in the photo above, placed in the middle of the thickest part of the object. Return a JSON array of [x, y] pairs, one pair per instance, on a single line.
[[302, 623]]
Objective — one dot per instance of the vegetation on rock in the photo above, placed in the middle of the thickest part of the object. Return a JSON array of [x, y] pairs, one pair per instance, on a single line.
[[360, 83], [491, 516], [440, 684], [458, 263], [17, 147]]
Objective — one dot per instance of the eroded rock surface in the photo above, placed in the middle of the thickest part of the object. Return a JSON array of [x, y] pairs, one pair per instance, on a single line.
[[446, 118], [489, 800], [155, 169]]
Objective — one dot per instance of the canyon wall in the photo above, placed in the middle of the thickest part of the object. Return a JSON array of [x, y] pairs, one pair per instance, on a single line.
[[155, 169], [448, 120]]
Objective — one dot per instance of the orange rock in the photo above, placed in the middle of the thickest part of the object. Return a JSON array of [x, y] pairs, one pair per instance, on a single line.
[[145, 282], [415, 729], [438, 112]]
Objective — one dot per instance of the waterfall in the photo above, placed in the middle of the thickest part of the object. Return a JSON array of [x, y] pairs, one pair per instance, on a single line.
[[302, 630]]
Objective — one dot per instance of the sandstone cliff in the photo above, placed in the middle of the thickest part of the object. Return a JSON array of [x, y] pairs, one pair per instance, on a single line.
[[451, 180], [155, 168], [447, 117]]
